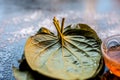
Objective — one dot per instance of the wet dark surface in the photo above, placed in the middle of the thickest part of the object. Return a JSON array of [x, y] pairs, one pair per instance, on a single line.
[[21, 18]]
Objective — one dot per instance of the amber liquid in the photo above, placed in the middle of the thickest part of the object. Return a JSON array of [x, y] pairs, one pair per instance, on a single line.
[[113, 60]]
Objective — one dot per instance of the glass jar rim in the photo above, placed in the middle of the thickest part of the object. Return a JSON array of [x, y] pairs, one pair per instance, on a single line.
[[104, 47]]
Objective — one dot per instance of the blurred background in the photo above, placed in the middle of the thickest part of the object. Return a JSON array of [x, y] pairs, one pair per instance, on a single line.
[[20, 19]]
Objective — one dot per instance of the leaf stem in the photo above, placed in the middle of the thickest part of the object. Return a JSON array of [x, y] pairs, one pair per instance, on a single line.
[[62, 25], [59, 29], [57, 26]]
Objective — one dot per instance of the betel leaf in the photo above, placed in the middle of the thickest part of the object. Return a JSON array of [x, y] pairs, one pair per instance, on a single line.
[[82, 29], [72, 54]]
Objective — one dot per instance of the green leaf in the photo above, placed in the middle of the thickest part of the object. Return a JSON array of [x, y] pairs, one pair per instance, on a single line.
[[44, 30], [82, 29], [73, 54], [22, 75]]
